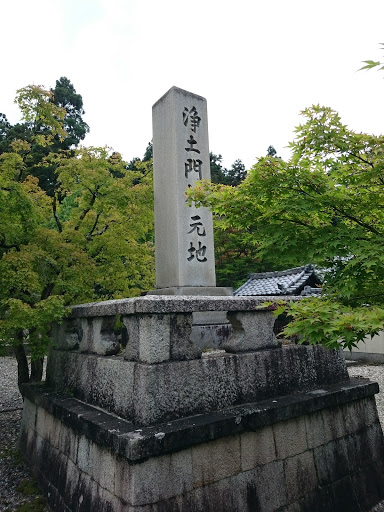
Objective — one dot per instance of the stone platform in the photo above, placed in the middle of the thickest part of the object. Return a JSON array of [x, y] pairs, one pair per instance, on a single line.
[[160, 426]]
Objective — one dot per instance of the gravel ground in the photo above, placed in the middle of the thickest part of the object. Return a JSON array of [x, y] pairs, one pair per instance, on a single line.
[[14, 473], [17, 487]]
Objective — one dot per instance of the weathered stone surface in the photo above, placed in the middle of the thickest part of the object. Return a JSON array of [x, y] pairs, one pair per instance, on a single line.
[[160, 337], [104, 381], [300, 475], [149, 338], [324, 426], [161, 478], [100, 463], [160, 328], [172, 390], [98, 337], [328, 367], [257, 448], [290, 437], [137, 443], [211, 336], [194, 290], [251, 331], [335, 460], [368, 484], [199, 463], [171, 304], [216, 460], [66, 336], [184, 235]]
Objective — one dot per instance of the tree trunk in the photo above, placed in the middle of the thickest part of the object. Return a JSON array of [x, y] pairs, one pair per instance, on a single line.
[[22, 363], [37, 370]]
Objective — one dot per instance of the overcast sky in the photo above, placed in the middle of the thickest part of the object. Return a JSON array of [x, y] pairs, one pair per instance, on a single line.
[[258, 64]]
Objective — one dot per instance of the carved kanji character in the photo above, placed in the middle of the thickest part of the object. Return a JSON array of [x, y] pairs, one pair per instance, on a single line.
[[193, 117], [199, 253], [193, 165], [192, 142], [197, 226]]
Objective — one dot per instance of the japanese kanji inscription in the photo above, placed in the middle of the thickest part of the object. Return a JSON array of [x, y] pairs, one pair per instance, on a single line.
[[183, 235]]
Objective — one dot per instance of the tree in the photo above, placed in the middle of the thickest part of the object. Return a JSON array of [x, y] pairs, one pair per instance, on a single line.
[[220, 174], [92, 239], [65, 96], [322, 206], [236, 174], [216, 167], [41, 109], [148, 155]]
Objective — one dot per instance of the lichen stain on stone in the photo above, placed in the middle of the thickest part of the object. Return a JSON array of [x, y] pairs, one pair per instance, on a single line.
[[253, 502]]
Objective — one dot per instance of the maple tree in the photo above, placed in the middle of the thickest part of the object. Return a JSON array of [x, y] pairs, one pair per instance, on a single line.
[[91, 238], [324, 206]]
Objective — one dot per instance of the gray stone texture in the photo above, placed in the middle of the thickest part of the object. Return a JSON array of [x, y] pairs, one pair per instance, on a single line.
[[211, 336], [66, 335], [171, 304], [251, 331], [257, 448], [148, 394], [162, 328], [77, 456], [216, 460], [300, 476], [194, 290], [148, 338], [184, 235], [104, 381], [98, 337], [287, 440]]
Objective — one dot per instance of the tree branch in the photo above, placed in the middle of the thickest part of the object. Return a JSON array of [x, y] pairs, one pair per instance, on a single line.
[[86, 210], [90, 234], [56, 217]]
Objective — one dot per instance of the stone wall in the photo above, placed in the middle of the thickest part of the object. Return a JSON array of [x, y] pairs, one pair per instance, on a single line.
[[312, 452], [155, 425], [148, 394]]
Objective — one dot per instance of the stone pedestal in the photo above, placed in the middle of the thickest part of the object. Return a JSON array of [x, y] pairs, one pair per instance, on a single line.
[[161, 426]]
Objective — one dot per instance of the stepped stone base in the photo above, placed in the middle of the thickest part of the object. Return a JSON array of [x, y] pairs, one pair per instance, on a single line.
[[147, 394], [320, 451], [156, 424]]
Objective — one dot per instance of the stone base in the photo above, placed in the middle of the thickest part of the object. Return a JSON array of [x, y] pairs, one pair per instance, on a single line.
[[211, 336], [215, 291], [212, 325], [147, 394], [320, 451]]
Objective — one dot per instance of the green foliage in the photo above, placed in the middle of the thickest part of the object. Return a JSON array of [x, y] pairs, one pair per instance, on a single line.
[[148, 155], [39, 112], [90, 239], [234, 255], [28, 486], [369, 64], [322, 206], [219, 174], [52, 121], [325, 320], [65, 96]]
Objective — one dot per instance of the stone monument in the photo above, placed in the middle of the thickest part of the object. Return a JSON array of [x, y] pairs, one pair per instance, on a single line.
[[184, 247], [157, 425]]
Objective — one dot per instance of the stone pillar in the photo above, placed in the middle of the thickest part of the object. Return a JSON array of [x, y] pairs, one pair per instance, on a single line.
[[183, 235]]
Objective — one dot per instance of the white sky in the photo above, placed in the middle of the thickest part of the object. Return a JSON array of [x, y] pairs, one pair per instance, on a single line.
[[258, 64]]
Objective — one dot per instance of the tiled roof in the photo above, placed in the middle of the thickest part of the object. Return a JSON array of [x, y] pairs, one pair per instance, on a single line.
[[286, 282]]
